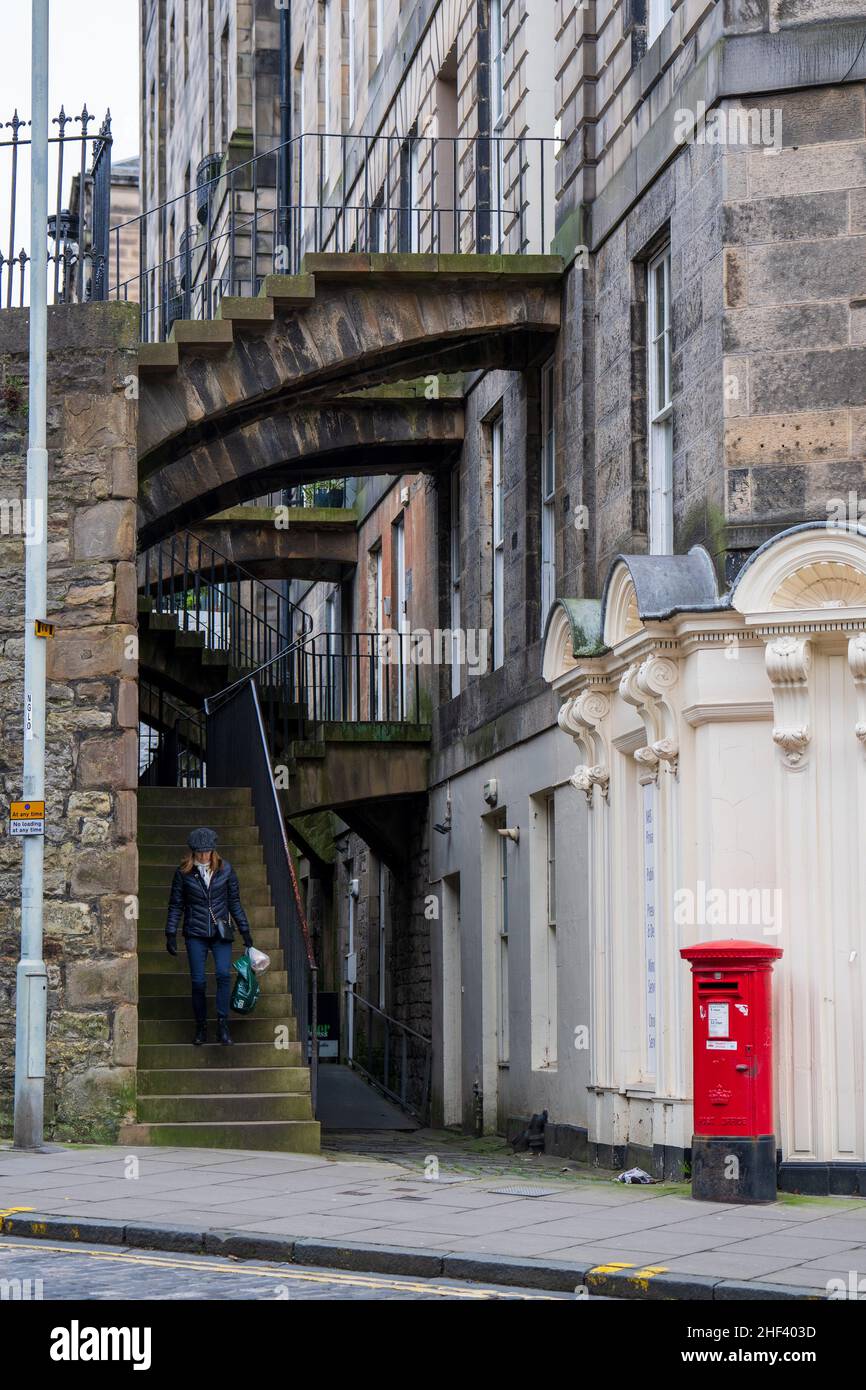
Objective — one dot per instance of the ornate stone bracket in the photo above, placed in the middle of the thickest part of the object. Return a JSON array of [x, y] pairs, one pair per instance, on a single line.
[[788, 662], [586, 779], [581, 717], [645, 686]]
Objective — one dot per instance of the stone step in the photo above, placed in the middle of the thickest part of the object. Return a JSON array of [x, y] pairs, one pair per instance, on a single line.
[[164, 872], [164, 857], [159, 1007], [218, 1081], [154, 891], [153, 938], [175, 836], [158, 984], [161, 963], [154, 916], [183, 819], [157, 1056], [232, 1109], [195, 796], [244, 1028], [286, 1136]]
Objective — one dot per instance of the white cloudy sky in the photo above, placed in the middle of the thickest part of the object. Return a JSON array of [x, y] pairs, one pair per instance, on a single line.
[[94, 59]]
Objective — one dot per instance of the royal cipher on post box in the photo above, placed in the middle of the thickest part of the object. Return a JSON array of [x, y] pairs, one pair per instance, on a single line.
[[733, 1146]]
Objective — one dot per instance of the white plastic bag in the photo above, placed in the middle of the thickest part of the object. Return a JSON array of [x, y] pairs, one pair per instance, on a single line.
[[634, 1175], [258, 960]]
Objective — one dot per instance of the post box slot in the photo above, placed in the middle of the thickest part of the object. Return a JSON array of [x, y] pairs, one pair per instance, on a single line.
[[718, 984]]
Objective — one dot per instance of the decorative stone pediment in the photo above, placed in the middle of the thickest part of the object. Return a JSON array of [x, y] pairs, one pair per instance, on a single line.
[[810, 569], [825, 584]]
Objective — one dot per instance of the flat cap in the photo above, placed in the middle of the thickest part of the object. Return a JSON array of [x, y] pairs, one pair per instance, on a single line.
[[202, 839]]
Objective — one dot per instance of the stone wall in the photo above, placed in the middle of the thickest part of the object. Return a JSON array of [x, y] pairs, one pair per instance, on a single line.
[[91, 867], [794, 235]]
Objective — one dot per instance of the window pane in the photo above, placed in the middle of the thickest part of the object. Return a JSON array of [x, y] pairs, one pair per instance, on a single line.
[[661, 394]]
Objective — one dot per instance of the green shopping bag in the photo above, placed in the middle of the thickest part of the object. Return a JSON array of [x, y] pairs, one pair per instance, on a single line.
[[246, 992]]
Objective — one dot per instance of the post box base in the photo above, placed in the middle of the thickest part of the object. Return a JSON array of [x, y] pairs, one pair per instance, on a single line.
[[734, 1170]]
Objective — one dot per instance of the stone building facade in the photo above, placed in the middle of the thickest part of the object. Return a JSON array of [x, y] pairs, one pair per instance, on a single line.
[[91, 873]]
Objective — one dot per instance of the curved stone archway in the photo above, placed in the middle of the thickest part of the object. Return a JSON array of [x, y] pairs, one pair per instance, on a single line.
[[357, 324], [344, 439]]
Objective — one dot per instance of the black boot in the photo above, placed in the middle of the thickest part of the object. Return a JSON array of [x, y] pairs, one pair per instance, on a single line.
[[223, 1033], [200, 1034]]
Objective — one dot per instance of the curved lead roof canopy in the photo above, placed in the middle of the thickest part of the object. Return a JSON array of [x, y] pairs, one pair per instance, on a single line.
[[572, 630], [666, 584]]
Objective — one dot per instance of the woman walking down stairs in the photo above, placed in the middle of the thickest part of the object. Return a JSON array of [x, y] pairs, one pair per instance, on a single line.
[[255, 1094]]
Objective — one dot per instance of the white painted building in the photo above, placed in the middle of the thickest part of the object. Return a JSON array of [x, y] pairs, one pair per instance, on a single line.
[[719, 745]]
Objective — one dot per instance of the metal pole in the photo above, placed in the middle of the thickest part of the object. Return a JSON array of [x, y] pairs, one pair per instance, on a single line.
[[31, 978], [284, 194]]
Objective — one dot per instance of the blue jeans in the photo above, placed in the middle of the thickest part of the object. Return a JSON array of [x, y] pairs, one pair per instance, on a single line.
[[197, 948]]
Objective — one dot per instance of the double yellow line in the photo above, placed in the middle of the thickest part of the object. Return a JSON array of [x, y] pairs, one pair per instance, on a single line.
[[282, 1273]]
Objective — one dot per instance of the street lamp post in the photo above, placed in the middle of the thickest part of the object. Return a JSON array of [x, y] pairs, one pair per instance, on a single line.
[[31, 978]]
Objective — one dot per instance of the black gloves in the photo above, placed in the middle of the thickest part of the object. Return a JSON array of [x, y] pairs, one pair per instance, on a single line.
[[171, 945], [248, 941]]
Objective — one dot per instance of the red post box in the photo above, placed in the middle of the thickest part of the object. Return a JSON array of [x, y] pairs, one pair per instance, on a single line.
[[733, 1146]]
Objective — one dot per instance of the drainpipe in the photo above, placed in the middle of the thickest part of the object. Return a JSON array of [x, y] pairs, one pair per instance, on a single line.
[[351, 969], [31, 979], [285, 160]]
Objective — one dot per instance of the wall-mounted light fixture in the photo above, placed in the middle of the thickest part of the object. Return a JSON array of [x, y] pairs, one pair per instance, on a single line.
[[444, 826]]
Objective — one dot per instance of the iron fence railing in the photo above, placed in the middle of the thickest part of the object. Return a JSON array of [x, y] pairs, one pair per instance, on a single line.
[[362, 677], [396, 1058], [333, 492], [240, 754], [79, 235], [205, 591], [172, 742], [348, 193]]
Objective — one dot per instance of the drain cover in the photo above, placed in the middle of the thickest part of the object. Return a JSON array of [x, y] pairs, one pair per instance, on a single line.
[[519, 1191]]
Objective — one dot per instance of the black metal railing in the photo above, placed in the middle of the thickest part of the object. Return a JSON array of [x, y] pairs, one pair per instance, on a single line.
[[349, 193], [395, 1058], [207, 592], [333, 492], [172, 742], [80, 234], [240, 754], [363, 677]]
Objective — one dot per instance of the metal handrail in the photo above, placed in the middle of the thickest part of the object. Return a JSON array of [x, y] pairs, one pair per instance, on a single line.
[[360, 193], [240, 755], [214, 701], [171, 751], [362, 677], [411, 1093], [201, 587]]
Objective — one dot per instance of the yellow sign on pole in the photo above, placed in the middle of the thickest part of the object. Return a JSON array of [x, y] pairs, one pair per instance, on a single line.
[[44, 629], [27, 818]]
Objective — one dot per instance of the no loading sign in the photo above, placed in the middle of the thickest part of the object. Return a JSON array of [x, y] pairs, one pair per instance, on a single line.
[[27, 818]]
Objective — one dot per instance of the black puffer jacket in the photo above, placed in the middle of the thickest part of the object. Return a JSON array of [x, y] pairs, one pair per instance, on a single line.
[[192, 900]]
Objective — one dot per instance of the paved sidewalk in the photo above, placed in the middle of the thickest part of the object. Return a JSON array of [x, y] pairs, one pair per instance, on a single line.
[[344, 1212]]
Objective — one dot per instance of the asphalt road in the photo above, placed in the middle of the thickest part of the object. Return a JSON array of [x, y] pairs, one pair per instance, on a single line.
[[97, 1272]]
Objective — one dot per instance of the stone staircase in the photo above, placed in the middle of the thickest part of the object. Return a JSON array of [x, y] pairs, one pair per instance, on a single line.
[[256, 1094]]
